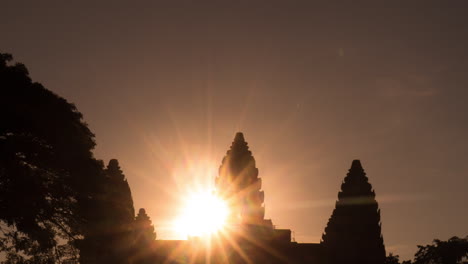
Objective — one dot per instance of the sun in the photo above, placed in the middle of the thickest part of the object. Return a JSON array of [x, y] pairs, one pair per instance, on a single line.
[[202, 214]]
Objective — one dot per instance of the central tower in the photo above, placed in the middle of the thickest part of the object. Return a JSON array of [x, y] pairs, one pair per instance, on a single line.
[[238, 183]]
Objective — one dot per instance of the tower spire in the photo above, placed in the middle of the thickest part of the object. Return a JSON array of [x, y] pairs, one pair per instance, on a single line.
[[239, 184], [354, 229]]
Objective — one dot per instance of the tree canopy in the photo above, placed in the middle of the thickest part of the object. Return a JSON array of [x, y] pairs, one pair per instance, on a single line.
[[57, 202], [48, 175], [451, 251]]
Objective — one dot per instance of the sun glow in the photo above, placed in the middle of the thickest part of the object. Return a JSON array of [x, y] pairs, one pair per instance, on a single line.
[[202, 214]]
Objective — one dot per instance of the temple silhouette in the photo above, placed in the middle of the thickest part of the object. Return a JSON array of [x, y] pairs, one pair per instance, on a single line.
[[352, 235]]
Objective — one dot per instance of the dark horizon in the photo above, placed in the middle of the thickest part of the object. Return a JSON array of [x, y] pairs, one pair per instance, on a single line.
[[165, 86]]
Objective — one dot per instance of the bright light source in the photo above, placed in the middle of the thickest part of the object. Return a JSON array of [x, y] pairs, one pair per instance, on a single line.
[[203, 214]]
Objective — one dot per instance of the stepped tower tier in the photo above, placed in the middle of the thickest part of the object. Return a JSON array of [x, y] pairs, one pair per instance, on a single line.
[[238, 183], [353, 234]]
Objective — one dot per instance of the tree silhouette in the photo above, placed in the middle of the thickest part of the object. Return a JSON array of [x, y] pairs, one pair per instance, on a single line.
[[48, 175], [353, 234], [392, 259], [443, 252]]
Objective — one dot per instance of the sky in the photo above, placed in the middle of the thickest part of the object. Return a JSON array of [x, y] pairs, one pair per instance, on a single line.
[[165, 85]]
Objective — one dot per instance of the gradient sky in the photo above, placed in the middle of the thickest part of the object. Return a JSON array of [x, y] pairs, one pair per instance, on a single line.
[[165, 85]]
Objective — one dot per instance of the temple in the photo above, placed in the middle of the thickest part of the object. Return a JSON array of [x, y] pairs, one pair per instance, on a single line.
[[354, 228], [238, 184], [352, 235]]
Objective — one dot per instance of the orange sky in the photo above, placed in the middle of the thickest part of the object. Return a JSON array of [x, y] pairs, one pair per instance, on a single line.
[[165, 85]]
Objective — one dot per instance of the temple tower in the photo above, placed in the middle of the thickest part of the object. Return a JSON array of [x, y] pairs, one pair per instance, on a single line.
[[353, 234], [238, 183]]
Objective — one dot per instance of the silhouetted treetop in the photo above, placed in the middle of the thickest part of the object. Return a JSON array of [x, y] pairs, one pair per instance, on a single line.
[[29, 107], [392, 259], [48, 174], [451, 251]]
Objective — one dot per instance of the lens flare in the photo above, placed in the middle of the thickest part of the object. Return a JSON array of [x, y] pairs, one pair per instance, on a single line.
[[203, 213]]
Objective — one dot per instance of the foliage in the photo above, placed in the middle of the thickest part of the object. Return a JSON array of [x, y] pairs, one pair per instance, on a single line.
[[20, 249], [392, 259], [48, 173], [395, 259], [452, 251]]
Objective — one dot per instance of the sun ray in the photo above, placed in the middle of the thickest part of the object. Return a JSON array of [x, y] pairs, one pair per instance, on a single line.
[[263, 246], [203, 214], [237, 248], [221, 247]]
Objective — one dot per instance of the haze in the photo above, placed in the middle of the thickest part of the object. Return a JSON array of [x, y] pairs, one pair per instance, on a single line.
[[165, 85]]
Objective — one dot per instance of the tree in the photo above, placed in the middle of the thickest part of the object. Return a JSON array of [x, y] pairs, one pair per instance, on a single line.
[[452, 251], [395, 259], [48, 175], [392, 259], [353, 234]]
